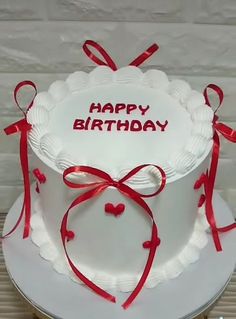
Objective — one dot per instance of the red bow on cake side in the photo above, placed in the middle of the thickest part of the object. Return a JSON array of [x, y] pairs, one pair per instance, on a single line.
[[208, 179], [22, 127]]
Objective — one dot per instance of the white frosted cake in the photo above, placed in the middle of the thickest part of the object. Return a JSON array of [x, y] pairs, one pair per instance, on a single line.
[[125, 164], [112, 122]]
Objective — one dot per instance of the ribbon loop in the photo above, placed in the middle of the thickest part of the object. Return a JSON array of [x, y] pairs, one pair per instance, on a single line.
[[96, 189], [108, 60], [226, 131], [139, 168], [16, 127], [219, 92], [18, 87]]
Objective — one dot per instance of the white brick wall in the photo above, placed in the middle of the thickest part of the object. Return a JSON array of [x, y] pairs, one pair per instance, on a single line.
[[41, 40]]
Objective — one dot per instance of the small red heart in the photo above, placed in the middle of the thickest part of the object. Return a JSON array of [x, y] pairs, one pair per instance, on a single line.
[[200, 181], [70, 235], [114, 210]]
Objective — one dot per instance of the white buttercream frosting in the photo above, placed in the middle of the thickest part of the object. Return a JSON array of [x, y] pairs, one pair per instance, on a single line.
[[50, 146], [36, 133], [195, 99], [182, 161], [58, 90], [60, 265], [123, 282], [203, 129], [77, 81], [101, 76], [44, 99], [180, 90], [197, 145], [128, 75], [203, 113], [157, 79], [65, 160], [37, 115]]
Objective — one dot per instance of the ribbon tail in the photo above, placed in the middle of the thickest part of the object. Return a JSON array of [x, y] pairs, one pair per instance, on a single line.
[[145, 55], [16, 224], [25, 171], [26, 206], [83, 198], [227, 228], [146, 271], [136, 197], [230, 135]]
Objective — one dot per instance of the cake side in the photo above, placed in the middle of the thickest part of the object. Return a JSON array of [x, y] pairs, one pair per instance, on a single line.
[[115, 121], [189, 254], [111, 248]]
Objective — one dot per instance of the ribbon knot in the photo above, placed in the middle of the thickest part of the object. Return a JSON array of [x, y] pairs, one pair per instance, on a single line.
[[115, 184], [210, 176], [97, 189]]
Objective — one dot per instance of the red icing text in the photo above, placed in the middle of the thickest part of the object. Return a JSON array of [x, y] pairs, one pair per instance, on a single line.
[[119, 125], [133, 125], [118, 108]]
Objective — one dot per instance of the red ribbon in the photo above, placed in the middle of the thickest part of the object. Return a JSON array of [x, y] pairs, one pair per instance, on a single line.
[[23, 127], [108, 60], [97, 189], [210, 176]]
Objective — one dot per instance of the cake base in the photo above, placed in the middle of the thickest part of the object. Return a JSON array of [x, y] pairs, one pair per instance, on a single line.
[[59, 297]]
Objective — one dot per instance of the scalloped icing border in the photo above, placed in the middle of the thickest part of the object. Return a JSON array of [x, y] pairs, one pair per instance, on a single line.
[[125, 283], [49, 145]]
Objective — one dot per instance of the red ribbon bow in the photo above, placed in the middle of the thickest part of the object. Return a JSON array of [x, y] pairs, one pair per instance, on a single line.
[[97, 189], [108, 60], [23, 127], [210, 176]]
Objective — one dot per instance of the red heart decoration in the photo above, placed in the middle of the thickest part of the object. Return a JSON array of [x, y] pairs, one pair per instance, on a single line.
[[114, 210], [39, 176]]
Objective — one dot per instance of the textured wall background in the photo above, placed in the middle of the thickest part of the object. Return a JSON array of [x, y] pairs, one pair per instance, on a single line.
[[41, 40]]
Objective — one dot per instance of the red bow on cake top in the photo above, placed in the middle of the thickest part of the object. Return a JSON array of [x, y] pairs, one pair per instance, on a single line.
[[108, 60], [23, 127], [97, 189], [208, 179]]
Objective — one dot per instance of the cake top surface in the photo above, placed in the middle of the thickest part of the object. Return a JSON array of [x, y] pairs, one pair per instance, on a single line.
[[117, 120]]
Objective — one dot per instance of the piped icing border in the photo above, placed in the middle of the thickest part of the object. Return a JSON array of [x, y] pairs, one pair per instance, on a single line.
[[125, 283], [179, 163]]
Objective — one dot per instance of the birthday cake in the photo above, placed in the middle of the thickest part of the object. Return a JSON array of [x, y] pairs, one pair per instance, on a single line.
[[121, 160]]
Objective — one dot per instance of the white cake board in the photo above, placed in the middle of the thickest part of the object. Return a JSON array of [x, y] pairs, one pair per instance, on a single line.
[[59, 297]]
